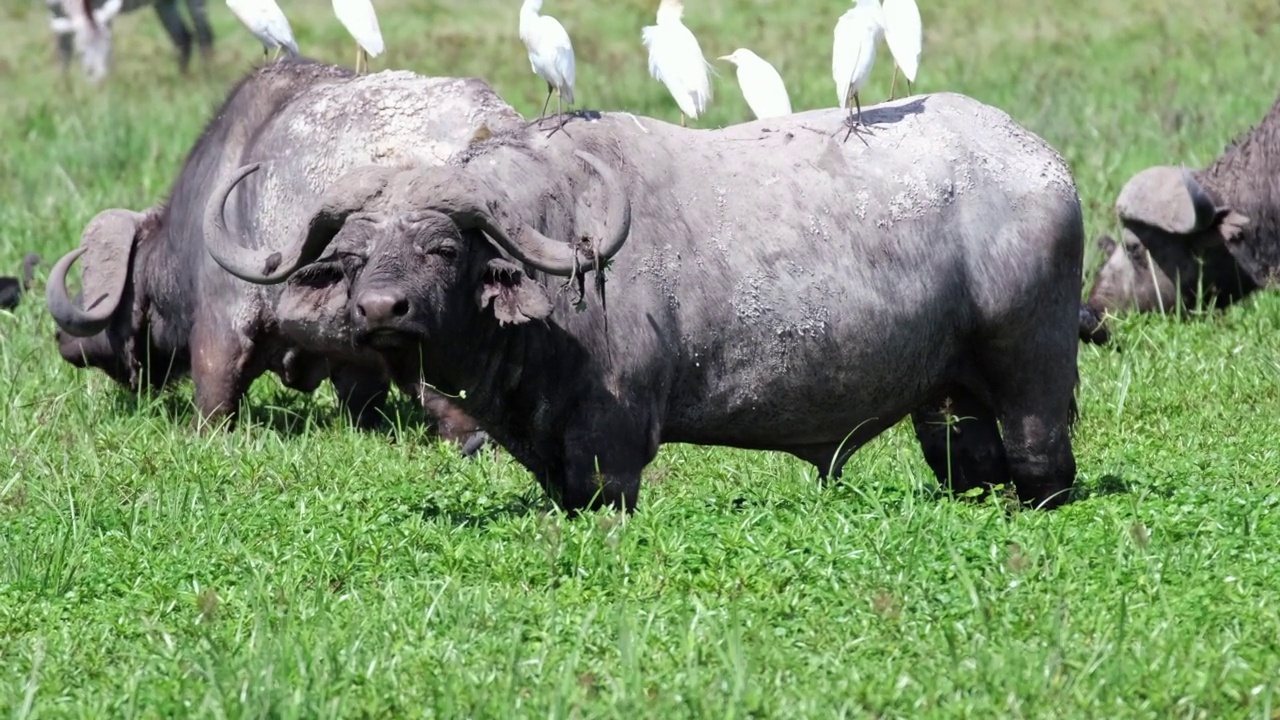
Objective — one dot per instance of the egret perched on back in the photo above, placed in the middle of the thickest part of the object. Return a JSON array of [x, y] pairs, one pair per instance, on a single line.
[[905, 36], [267, 22], [762, 86], [358, 17], [675, 59], [550, 54], [854, 53]]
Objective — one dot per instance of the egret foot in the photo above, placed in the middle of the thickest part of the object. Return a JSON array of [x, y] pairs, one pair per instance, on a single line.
[[855, 123]]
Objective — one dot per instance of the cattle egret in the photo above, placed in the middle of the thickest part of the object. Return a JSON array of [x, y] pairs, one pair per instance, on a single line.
[[762, 86], [904, 35], [854, 53], [675, 59], [358, 17], [267, 22], [550, 55]]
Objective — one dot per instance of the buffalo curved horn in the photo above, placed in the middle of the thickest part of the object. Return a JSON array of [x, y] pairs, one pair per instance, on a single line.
[[110, 234], [269, 267], [454, 197], [1168, 198]]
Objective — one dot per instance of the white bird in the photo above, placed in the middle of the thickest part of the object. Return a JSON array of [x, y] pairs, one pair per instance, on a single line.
[[358, 17], [854, 53], [904, 35], [267, 22], [762, 86], [675, 59], [550, 54]]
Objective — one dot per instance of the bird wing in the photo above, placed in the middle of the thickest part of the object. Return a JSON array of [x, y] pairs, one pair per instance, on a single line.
[[359, 18], [551, 53], [903, 34], [763, 89], [844, 54], [684, 55]]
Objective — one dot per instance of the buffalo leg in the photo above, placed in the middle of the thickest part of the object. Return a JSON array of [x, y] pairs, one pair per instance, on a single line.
[[452, 423], [362, 391], [1035, 384], [603, 461], [222, 368], [961, 442], [176, 28]]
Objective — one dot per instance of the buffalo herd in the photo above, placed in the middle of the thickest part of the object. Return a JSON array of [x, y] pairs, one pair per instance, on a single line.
[[582, 298]]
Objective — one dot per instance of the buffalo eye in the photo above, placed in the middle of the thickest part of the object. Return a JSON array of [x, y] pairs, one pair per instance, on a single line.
[[446, 251]]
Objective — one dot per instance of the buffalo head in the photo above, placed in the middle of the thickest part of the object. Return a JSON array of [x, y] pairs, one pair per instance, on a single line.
[[1177, 243], [417, 253], [96, 328]]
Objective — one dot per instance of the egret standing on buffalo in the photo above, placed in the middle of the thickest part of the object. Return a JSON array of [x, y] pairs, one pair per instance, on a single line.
[[854, 53], [905, 37], [550, 54], [267, 22], [762, 86], [675, 59], [358, 17]]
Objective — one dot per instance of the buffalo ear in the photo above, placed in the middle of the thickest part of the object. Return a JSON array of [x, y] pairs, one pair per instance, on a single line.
[[516, 299], [1254, 254]]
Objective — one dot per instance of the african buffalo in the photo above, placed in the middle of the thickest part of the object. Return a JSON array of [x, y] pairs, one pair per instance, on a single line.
[[768, 288], [11, 288], [159, 307], [1196, 238]]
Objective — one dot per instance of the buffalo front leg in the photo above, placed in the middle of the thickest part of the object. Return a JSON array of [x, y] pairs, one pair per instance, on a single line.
[[222, 367], [604, 458], [452, 422], [362, 391], [961, 442]]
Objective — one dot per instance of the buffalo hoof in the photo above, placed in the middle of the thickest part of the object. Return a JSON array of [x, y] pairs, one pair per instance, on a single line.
[[474, 443]]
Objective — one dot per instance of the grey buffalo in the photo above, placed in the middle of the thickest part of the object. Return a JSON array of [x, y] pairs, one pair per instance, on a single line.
[[764, 287], [1197, 238], [156, 306]]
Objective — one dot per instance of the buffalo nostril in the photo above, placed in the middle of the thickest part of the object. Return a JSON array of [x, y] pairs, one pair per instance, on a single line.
[[382, 306]]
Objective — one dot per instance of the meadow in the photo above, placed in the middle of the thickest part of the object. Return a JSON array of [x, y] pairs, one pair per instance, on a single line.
[[294, 567]]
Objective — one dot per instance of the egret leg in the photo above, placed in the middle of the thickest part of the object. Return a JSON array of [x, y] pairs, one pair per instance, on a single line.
[[894, 83], [559, 114], [682, 120], [908, 85], [851, 122]]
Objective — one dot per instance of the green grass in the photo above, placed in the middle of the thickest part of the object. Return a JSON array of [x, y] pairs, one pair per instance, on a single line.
[[296, 568]]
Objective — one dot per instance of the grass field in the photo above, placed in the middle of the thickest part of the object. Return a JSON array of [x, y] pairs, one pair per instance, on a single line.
[[296, 568]]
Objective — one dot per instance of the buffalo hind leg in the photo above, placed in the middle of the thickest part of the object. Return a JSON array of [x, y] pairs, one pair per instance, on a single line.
[[961, 442], [362, 392], [1035, 391]]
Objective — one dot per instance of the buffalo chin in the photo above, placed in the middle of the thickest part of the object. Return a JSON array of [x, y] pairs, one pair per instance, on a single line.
[[385, 339]]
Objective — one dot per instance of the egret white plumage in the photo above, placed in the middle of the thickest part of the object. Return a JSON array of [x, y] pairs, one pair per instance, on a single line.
[[905, 37], [267, 22], [358, 17], [854, 53], [675, 59], [762, 86], [550, 54]]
